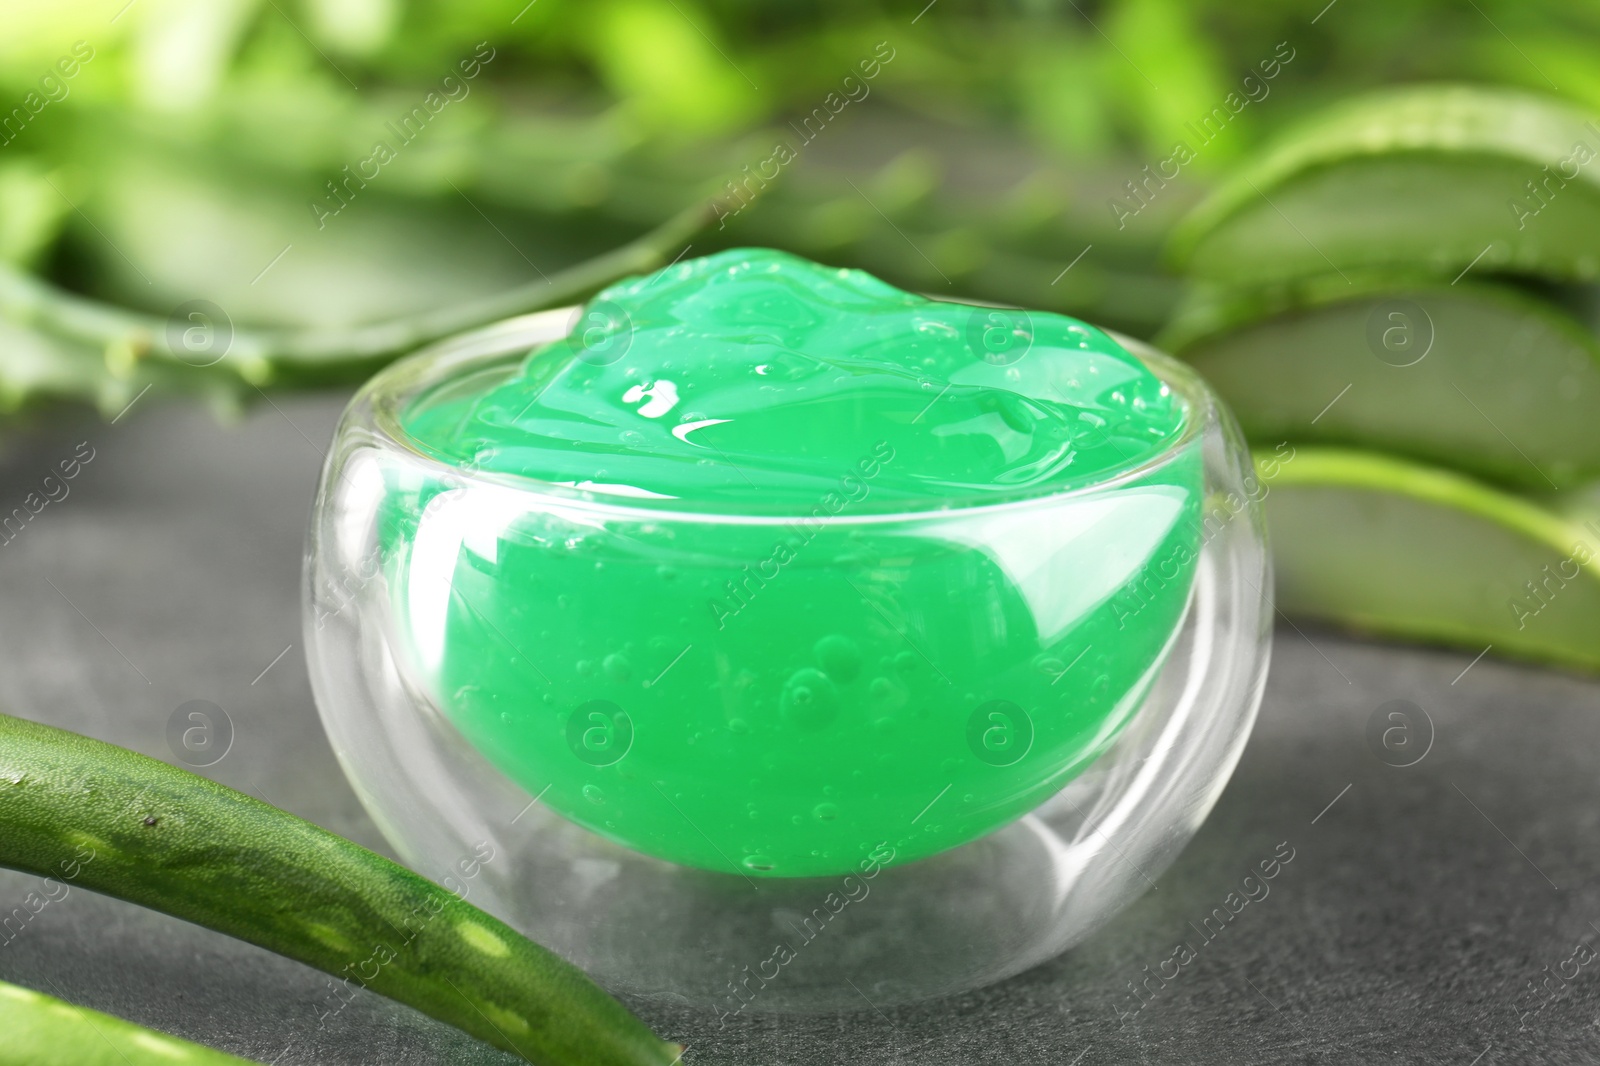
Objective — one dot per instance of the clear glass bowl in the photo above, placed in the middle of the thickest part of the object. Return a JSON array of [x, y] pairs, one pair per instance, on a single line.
[[646, 796]]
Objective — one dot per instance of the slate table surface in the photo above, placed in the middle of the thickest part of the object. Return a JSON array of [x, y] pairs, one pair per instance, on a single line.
[[1421, 904]]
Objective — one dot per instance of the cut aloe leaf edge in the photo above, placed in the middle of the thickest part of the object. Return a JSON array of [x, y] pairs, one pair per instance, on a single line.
[[1398, 549], [1425, 176], [1475, 376]]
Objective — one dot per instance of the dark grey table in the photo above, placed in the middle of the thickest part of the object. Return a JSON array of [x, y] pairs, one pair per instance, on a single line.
[[1420, 904]]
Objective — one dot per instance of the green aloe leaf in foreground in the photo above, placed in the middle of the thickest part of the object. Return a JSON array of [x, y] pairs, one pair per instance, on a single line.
[[1432, 177], [1399, 549], [1478, 377], [41, 1030]]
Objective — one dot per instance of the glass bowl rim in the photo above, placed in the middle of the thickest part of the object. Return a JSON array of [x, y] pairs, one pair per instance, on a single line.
[[376, 407]]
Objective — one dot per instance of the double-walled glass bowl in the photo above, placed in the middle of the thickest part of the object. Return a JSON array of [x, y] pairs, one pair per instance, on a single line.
[[761, 761]]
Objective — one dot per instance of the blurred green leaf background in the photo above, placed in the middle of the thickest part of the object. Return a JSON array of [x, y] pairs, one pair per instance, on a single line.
[[980, 160]]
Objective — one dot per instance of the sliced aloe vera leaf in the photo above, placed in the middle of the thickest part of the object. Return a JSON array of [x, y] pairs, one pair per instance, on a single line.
[[1484, 378], [1428, 176], [1400, 549]]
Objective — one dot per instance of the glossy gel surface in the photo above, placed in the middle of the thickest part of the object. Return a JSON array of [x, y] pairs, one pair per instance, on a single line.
[[832, 568]]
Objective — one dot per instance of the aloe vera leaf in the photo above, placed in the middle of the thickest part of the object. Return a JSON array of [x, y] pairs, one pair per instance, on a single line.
[[1404, 550], [41, 1030], [1014, 238], [169, 229], [530, 161], [113, 821], [310, 356], [1479, 377], [1428, 176], [553, 163], [37, 367]]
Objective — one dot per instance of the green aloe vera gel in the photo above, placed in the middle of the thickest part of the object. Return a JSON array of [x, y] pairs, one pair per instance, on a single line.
[[769, 567]]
